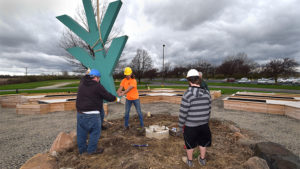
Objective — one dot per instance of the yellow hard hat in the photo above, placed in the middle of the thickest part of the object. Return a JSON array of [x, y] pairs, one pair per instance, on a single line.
[[127, 71]]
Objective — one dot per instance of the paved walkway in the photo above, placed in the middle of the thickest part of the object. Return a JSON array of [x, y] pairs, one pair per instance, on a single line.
[[54, 86]]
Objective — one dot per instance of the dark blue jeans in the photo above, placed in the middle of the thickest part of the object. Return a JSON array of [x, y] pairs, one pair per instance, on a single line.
[[137, 106], [88, 124], [102, 114]]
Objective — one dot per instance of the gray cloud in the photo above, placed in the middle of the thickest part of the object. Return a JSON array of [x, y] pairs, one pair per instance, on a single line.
[[31, 40], [184, 15], [197, 30], [192, 30]]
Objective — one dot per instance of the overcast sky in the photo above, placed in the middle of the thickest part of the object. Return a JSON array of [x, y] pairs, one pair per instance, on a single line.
[[192, 30]]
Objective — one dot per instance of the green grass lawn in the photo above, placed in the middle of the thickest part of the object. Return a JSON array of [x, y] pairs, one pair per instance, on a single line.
[[290, 87], [33, 85], [41, 91], [224, 91], [76, 83], [257, 86]]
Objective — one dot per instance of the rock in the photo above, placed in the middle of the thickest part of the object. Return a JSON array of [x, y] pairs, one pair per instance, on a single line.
[[247, 142], [255, 163], [63, 142], [239, 135], [42, 161], [276, 156], [73, 134], [54, 154], [233, 128]]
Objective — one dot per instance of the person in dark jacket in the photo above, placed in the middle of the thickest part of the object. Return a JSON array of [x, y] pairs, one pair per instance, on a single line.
[[194, 117], [89, 103], [203, 85]]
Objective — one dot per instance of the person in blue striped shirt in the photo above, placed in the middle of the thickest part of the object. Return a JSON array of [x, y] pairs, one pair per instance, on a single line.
[[194, 117]]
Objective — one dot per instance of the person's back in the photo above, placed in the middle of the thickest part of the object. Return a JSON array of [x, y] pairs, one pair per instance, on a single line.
[[195, 109], [89, 104], [90, 95], [194, 117]]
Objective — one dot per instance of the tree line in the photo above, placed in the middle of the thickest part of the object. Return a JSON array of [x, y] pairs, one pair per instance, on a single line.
[[234, 66]]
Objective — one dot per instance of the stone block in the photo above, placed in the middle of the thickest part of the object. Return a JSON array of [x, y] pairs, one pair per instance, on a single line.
[[276, 156], [43, 161], [255, 163], [63, 142]]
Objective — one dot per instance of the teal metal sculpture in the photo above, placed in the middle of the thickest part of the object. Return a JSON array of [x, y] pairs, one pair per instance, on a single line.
[[104, 62]]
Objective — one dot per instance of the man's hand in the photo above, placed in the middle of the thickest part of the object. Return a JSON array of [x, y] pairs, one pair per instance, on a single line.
[[120, 94]]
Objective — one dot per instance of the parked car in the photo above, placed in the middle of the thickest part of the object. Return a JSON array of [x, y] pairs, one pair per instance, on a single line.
[[270, 81], [265, 81], [244, 80], [229, 79], [291, 80], [281, 80], [262, 81], [183, 80], [296, 81]]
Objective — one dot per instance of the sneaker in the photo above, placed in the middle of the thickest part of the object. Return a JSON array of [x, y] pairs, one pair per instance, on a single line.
[[98, 151], [188, 162], [126, 128], [201, 161], [103, 128]]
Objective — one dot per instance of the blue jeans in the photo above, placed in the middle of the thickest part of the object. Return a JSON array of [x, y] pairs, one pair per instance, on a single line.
[[88, 124], [137, 106], [102, 113]]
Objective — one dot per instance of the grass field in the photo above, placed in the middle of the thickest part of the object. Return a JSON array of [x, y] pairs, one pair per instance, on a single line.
[[224, 91], [75, 83], [33, 85], [291, 87]]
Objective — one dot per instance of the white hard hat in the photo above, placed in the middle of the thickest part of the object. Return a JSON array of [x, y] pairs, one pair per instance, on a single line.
[[192, 72]]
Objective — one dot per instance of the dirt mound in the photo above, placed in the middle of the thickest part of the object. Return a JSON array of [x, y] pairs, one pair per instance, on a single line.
[[166, 153]]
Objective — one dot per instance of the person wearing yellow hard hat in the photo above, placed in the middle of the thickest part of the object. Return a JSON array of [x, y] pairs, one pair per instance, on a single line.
[[129, 85]]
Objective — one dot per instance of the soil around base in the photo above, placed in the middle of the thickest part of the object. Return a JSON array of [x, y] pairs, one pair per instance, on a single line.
[[225, 152]]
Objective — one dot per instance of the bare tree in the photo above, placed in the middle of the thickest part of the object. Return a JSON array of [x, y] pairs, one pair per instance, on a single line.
[[280, 67], [69, 39], [121, 64], [151, 74], [204, 67], [238, 65], [141, 63], [179, 71]]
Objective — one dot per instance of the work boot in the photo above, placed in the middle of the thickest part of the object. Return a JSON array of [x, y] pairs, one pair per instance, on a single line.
[[98, 151], [141, 129], [201, 161], [188, 162]]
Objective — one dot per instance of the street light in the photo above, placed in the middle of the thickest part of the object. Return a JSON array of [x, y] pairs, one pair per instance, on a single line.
[[163, 70]]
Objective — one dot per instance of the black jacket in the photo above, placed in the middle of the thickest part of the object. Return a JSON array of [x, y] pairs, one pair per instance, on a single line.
[[91, 94]]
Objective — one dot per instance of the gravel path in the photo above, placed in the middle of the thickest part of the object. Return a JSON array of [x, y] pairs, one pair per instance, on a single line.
[[276, 128], [23, 136]]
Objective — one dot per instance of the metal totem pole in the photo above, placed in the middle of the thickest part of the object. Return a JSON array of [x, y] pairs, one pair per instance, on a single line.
[[96, 38]]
